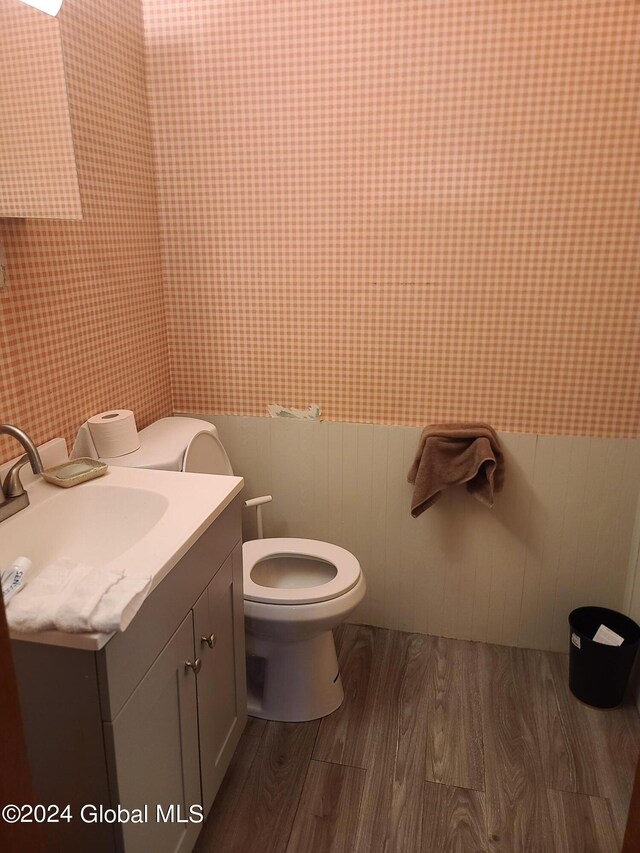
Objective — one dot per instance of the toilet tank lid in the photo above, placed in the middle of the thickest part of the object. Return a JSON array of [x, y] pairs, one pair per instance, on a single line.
[[163, 444]]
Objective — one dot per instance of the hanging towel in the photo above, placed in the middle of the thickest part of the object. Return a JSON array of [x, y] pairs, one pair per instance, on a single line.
[[72, 597], [451, 454]]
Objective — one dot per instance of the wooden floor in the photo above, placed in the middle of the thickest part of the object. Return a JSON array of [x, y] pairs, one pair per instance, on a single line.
[[440, 745]]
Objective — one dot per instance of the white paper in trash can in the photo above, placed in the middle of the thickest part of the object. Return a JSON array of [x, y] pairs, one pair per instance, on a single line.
[[607, 637]]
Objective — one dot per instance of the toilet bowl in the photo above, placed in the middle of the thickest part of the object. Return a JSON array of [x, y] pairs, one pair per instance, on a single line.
[[296, 591]]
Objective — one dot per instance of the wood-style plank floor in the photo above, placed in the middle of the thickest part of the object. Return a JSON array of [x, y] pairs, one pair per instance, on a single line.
[[440, 746]]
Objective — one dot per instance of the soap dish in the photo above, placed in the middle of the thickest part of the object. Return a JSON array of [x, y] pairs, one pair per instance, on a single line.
[[75, 471]]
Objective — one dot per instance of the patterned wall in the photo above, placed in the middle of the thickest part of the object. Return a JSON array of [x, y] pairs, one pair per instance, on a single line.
[[403, 211], [82, 322], [38, 175]]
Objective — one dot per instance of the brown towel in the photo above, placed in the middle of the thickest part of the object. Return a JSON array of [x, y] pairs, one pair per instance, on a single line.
[[450, 454]]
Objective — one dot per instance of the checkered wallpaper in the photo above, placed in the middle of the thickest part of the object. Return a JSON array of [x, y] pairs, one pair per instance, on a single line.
[[404, 211], [82, 323]]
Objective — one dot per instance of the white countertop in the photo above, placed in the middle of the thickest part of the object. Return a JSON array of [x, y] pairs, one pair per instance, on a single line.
[[181, 506]]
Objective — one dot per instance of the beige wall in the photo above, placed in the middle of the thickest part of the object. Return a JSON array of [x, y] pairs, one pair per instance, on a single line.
[[632, 597], [403, 211], [82, 323], [558, 537]]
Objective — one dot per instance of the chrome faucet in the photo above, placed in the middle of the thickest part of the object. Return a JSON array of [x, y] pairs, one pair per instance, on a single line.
[[13, 496]]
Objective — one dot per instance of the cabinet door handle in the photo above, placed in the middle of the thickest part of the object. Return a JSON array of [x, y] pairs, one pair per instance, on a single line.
[[210, 640], [194, 665]]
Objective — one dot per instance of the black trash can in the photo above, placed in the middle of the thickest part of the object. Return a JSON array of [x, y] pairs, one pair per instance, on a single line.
[[598, 673]]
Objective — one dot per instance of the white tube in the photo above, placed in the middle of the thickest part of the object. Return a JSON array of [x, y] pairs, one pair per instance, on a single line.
[[13, 577], [265, 499], [257, 503]]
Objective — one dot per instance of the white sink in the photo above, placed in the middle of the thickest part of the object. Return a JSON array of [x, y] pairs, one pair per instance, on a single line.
[[134, 520], [89, 525]]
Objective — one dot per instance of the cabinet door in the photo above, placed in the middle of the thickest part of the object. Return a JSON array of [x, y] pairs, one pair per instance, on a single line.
[[38, 175], [152, 748], [222, 693]]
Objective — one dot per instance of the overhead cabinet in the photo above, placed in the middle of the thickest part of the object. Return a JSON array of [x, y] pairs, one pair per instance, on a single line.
[[38, 174]]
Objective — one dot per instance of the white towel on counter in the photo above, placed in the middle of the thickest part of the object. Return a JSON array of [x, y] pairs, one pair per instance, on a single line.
[[73, 597]]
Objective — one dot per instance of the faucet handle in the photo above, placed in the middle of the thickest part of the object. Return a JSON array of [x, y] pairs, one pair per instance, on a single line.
[[13, 487]]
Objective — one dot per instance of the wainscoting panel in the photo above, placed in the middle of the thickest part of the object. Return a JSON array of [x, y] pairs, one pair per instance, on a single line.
[[559, 535]]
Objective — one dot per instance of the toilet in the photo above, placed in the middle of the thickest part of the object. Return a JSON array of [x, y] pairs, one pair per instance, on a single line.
[[296, 591]]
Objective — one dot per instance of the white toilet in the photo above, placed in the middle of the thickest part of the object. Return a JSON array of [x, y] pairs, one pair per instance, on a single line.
[[296, 591]]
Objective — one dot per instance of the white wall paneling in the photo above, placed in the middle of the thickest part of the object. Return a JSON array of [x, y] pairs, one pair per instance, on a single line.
[[632, 595], [559, 535]]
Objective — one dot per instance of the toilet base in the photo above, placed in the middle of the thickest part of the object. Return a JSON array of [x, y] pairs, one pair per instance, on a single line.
[[292, 681]]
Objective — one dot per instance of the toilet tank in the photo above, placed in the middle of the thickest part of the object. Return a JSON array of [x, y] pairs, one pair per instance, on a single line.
[[177, 444]]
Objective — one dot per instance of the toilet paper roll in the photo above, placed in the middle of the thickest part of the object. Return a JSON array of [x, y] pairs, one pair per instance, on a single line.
[[114, 433]]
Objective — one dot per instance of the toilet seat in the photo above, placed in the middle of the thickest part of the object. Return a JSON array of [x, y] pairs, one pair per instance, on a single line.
[[346, 577]]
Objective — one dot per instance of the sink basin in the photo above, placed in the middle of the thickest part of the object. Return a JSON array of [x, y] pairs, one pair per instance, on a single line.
[[91, 526], [132, 520]]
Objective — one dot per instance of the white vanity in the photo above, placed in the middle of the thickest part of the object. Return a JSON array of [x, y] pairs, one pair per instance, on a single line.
[[150, 716]]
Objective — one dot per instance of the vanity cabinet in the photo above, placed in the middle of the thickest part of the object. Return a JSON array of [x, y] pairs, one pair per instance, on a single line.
[[153, 718], [153, 745], [218, 633]]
